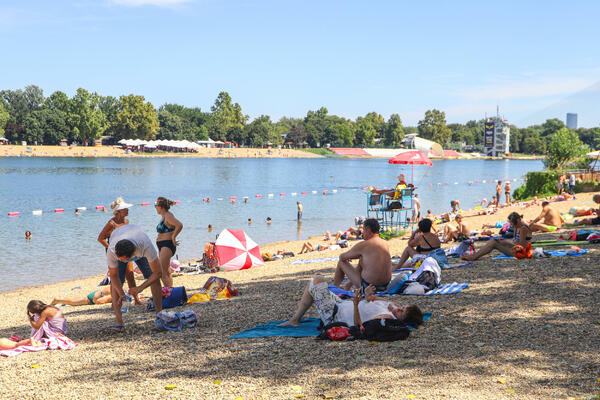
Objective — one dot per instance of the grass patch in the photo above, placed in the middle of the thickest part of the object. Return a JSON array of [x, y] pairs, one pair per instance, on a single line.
[[387, 235], [321, 151]]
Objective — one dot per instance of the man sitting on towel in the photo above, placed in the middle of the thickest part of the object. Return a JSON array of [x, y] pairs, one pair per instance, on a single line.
[[130, 243], [551, 217], [591, 221], [374, 261]]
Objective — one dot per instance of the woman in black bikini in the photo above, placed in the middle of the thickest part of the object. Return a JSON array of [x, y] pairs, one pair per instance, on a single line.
[[168, 229], [422, 241], [507, 247]]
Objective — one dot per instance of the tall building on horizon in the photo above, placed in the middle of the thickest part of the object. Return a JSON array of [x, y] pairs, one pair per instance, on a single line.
[[572, 120], [496, 136]]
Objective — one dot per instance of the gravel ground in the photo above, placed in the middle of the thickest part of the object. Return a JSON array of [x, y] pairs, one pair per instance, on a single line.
[[526, 329]]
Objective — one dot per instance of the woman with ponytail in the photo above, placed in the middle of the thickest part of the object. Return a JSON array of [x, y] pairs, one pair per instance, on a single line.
[[168, 229]]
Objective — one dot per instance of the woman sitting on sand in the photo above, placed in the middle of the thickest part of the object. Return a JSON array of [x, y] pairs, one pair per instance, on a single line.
[[46, 321], [422, 241], [168, 229], [333, 309], [100, 296], [506, 247]]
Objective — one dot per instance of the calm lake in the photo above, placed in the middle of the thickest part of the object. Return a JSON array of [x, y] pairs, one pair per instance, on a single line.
[[64, 245]]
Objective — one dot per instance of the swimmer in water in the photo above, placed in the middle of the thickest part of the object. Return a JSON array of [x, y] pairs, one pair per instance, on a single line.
[[249, 221], [27, 235], [268, 220], [210, 227]]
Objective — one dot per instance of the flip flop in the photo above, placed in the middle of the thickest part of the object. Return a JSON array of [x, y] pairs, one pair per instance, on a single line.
[[118, 328]]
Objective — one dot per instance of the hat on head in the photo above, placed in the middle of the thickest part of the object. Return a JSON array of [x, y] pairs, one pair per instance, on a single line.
[[175, 265], [122, 206], [401, 177]]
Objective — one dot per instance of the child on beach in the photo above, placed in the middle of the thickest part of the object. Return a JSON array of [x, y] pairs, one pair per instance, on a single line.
[[9, 344], [46, 321]]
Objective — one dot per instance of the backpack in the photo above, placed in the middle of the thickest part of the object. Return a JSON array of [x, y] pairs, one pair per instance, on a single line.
[[381, 330], [175, 321]]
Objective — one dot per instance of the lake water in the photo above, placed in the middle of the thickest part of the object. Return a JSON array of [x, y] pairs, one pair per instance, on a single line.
[[64, 245]]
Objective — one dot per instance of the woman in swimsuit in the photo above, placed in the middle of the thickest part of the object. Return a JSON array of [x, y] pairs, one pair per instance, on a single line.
[[498, 192], [422, 241], [100, 296], [168, 228], [507, 192], [507, 247], [120, 211]]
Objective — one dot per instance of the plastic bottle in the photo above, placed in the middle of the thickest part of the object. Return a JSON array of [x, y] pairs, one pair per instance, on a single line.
[[127, 299]]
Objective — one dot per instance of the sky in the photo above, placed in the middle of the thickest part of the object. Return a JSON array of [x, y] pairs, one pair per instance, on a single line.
[[534, 60]]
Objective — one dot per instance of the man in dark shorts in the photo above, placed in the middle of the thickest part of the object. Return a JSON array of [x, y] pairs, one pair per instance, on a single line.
[[374, 265]]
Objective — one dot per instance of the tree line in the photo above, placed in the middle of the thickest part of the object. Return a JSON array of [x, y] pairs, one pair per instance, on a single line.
[[27, 115]]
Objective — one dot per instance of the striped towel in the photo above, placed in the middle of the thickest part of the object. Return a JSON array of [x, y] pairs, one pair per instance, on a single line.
[[314, 260], [450, 266], [447, 288], [553, 253]]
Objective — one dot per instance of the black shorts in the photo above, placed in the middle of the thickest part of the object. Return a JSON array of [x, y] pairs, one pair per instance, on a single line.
[[168, 244], [378, 288], [596, 221]]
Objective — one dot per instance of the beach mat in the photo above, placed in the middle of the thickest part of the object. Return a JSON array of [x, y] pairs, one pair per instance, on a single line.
[[553, 253], [447, 288], [451, 266], [558, 243], [314, 260], [308, 328]]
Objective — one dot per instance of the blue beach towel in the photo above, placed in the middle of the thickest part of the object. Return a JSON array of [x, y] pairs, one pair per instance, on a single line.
[[553, 253], [314, 260], [447, 288], [451, 266], [308, 328]]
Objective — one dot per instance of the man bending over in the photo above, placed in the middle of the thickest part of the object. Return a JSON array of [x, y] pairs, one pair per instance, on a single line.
[[130, 243], [374, 261], [551, 217]]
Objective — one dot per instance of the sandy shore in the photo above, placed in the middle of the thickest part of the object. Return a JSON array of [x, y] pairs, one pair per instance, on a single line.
[[117, 151], [524, 329]]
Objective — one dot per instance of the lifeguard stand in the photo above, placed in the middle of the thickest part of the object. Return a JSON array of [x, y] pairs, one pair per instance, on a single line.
[[392, 214]]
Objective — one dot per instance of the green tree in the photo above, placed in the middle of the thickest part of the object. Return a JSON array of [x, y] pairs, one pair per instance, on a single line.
[[58, 101], [378, 123], [225, 117], [20, 103], [315, 124], [258, 132], [85, 117], [296, 134], [135, 119], [564, 148], [33, 129], [433, 127], [109, 106], [47, 126], [364, 133], [4, 117], [170, 126], [393, 131]]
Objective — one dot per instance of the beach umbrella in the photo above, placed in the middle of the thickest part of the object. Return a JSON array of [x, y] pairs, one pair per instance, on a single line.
[[593, 154], [236, 250], [412, 157]]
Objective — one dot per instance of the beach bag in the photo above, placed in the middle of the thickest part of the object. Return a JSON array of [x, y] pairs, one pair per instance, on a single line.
[[175, 321], [173, 297], [214, 289], [524, 252], [381, 330], [336, 331], [440, 256]]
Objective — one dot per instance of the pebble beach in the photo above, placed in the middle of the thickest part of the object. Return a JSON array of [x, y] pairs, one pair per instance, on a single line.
[[522, 329]]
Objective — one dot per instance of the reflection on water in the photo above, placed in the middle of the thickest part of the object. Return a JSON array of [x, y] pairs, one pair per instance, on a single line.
[[64, 246]]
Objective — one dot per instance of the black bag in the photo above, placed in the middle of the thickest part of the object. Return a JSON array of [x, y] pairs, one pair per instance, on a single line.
[[395, 205], [381, 330], [324, 328], [427, 279]]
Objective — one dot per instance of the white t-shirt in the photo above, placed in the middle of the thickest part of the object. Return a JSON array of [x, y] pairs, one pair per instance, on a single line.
[[143, 245], [428, 264], [368, 310]]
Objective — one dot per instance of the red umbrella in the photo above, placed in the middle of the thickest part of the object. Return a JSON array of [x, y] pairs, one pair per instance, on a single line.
[[412, 157], [236, 250]]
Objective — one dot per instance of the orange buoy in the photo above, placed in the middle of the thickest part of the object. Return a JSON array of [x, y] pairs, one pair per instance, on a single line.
[[13, 213], [145, 204], [99, 207], [59, 210]]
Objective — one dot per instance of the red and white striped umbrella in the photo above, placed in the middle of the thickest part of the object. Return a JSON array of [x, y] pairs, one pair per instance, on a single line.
[[236, 250]]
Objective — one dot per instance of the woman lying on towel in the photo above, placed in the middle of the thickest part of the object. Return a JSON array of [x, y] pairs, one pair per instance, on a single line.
[[100, 296], [352, 312], [512, 248]]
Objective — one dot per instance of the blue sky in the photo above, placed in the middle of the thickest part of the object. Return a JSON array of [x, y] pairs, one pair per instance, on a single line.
[[282, 58]]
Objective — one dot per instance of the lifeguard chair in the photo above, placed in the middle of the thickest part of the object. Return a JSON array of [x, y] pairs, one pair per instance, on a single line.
[[394, 209]]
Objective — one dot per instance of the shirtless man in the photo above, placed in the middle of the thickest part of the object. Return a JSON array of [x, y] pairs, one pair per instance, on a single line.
[[551, 217], [374, 265], [462, 231]]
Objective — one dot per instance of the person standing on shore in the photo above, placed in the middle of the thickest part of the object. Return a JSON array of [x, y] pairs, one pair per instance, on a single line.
[[168, 229], [130, 243], [498, 192], [572, 182], [507, 192], [417, 208], [299, 210], [120, 211]]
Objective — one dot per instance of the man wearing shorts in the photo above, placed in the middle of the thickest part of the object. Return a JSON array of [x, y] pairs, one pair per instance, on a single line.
[[551, 217], [374, 265], [130, 243]]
